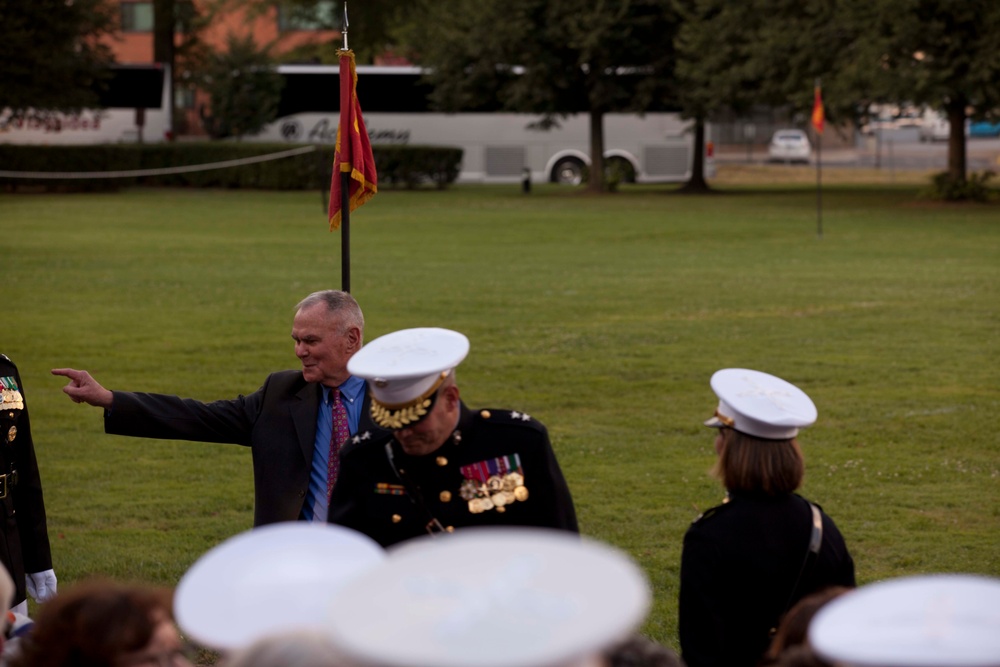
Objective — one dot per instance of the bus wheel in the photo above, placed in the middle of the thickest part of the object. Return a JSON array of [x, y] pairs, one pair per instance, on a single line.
[[569, 171]]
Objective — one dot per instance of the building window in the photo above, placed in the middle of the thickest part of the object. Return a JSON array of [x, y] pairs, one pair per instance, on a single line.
[[184, 97], [137, 17], [322, 16]]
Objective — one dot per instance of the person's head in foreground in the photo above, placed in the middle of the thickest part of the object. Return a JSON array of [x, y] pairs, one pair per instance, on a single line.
[[758, 419], [269, 582], [794, 625], [490, 597], [104, 624], [640, 651], [938, 620]]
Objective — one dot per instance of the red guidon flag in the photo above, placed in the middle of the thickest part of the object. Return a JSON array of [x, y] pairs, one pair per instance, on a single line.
[[353, 155], [817, 117]]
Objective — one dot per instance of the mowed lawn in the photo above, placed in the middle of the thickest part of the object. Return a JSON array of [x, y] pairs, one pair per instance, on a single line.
[[603, 317]]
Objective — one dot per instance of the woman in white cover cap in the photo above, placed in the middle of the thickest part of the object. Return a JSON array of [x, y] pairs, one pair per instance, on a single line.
[[748, 560]]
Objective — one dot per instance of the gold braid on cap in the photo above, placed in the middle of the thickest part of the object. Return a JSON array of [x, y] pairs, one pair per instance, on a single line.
[[727, 421], [400, 415]]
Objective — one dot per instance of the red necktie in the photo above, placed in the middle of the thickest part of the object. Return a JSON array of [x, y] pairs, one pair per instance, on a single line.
[[339, 434]]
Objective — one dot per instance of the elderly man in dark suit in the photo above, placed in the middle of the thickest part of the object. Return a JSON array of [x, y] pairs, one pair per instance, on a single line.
[[295, 423]]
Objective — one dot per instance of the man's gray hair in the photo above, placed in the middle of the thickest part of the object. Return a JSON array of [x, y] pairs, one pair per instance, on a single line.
[[338, 302]]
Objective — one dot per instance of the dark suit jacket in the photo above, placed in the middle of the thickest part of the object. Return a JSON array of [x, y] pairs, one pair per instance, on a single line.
[[24, 537], [278, 423], [738, 571], [370, 498]]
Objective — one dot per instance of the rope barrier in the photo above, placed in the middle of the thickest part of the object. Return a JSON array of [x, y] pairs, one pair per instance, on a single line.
[[157, 172]]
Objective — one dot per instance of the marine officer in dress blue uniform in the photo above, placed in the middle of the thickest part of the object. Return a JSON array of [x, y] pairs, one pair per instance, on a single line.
[[747, 561], [443, 466], [24, 539]]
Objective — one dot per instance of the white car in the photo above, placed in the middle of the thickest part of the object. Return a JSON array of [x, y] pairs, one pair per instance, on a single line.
[[937, 128], [789, 146]]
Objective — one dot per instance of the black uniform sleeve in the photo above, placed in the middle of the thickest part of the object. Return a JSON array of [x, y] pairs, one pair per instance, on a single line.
[[556, 506], [702, 627], [835, 555]]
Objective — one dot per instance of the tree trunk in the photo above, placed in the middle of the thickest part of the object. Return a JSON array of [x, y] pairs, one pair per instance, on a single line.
[[956, 139], [596, 181], [164, 20], [697, 181]]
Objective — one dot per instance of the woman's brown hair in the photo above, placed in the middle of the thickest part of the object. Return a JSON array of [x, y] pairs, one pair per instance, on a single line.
[[93, 624], [756, 465]]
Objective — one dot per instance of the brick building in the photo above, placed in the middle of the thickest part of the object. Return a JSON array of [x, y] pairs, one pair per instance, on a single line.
[[274, 28]]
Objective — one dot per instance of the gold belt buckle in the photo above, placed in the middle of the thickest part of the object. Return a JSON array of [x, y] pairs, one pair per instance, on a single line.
[[3, 486]]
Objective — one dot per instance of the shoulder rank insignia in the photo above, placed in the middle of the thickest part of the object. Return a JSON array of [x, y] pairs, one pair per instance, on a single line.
[[511, 417], [493, 484]]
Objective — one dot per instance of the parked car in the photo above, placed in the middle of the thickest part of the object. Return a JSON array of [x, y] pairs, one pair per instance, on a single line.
[[789, 146], [984, 128]]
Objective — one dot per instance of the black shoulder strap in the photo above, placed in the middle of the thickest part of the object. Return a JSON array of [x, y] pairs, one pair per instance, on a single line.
[[433, 526]]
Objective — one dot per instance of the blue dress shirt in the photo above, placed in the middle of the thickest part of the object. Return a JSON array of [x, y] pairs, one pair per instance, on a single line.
[[352, 393]]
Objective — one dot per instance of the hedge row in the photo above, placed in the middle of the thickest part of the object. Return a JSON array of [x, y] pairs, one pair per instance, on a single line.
[[398, 166]]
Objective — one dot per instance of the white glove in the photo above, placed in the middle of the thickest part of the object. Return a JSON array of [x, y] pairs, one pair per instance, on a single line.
[[41, 585]]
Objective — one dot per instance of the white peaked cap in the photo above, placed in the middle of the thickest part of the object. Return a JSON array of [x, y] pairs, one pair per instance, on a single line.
[[271, 580], [491, 597], [760, 404], [404, 370], [942, 620]]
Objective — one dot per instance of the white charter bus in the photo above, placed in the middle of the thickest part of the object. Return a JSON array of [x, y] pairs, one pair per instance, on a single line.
[[498, 146], [134, 108]]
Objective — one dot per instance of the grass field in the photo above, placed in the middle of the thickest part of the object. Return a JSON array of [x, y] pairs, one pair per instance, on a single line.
[[603, 317]]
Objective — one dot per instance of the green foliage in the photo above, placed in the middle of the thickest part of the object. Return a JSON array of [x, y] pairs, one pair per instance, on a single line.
[[603, 317], [51, 58], [733, 56], [405, 166], [926, 52], [243, 87], [412, 166], [946, 187], [567, 54]]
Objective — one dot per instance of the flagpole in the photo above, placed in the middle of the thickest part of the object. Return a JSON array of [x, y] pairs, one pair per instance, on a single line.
[[819, 185], [818, 123], [345, 183]]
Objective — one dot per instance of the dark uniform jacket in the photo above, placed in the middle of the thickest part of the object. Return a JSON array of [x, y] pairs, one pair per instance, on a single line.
[[278, 423], [24, 540], [497, 469], [738, 570]]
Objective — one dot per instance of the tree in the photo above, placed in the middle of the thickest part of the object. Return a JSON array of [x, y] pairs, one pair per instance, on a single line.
[[52, 60], [713, 44], [185, 54], [942, 54], [244, 89], [548, 57], [926, 52], [733, 56]]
